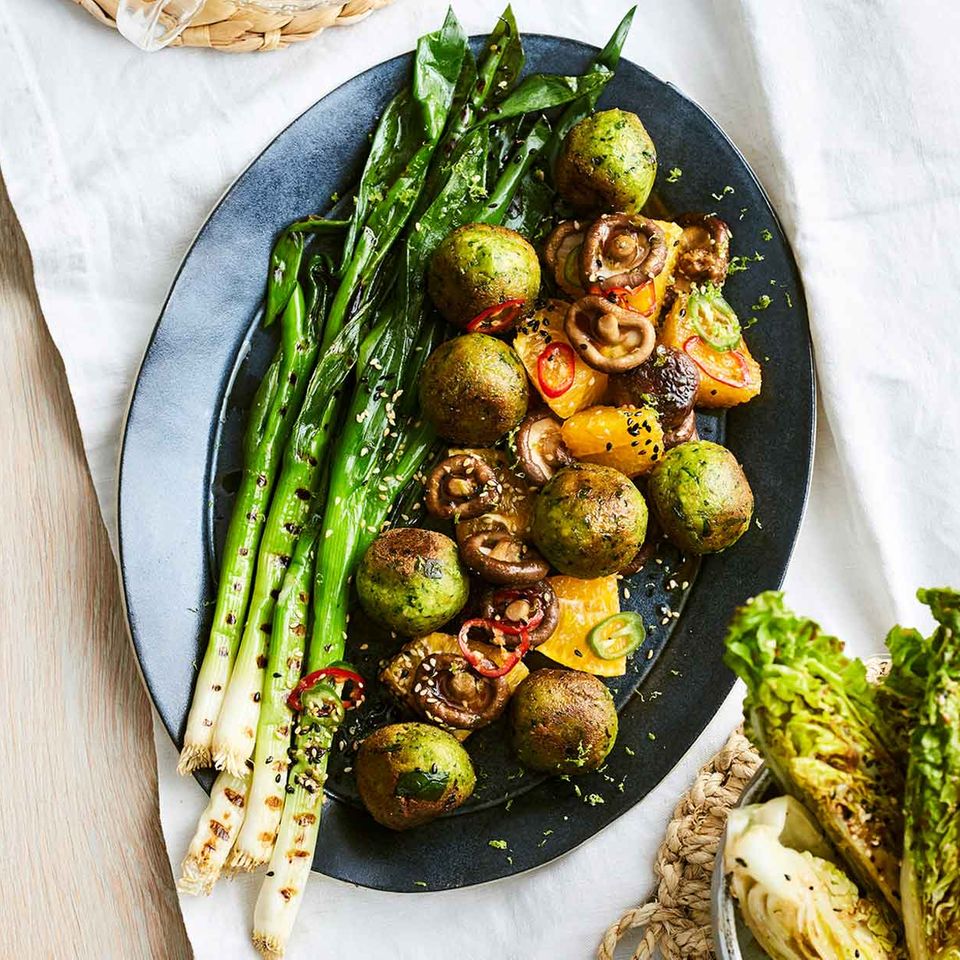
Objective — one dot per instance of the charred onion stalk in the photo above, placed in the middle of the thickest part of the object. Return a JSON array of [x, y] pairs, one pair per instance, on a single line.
[[233, 741], [271, 419], [216, 832], [282, 890], [271, 758], [607, 336]]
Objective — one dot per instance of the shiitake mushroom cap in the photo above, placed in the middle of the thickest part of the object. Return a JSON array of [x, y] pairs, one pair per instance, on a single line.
[[540, 447], [495, 605], [461, 487], [500, 557], [448, 691]]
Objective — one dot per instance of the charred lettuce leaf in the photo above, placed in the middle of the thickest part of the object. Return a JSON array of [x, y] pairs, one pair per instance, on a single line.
[[794, 898], [815, 719], [901, 693], [931, 865]]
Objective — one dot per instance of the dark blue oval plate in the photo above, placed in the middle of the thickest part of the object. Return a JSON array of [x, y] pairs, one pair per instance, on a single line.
[[181, 453]]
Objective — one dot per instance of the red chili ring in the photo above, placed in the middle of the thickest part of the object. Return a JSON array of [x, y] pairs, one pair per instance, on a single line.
[[621, 296], [312, 679], [511, 627], [720, 378], [491, 321], [478, 661], [557, 386]]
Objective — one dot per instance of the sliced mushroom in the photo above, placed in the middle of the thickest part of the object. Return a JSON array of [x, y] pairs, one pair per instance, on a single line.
[[462, 487], [609, 337], [499, 557], [621, 251], [667, 379], [704, 248], [447, 691], [562, 254], [540, 447], [685, 432], [534, 604]]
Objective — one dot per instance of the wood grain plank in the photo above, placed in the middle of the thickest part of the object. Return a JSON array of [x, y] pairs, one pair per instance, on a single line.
[[84, 872]]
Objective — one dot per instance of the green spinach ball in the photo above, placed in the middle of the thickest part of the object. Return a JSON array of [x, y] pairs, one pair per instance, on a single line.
[[701, 496], [478, 266], [412, 580], [411, 773], [473, 389], [589, 520], [564, 721], [608, 163]]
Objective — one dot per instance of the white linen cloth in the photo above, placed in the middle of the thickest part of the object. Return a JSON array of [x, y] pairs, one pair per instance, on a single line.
[[848, 113]]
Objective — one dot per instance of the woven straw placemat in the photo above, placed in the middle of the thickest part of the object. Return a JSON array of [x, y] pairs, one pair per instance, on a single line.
[[235, 28], [676, 921]]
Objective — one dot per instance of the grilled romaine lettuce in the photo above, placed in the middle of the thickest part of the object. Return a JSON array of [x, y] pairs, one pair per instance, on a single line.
[[901, 692], [815, 719], [931, 864], [797, 902]]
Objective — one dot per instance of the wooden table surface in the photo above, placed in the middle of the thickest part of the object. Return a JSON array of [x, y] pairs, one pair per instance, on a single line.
[[84, 872]]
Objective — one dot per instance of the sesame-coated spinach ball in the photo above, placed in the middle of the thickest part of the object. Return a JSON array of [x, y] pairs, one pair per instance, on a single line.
[[412, 580], [411, 773], [478, 266], [608, 163], [474, 389], [701, 497], [589, 520], [564, 721]]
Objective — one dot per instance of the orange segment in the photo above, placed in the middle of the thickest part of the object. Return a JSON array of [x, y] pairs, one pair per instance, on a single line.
[[672, 233], [534, 336], [583, 604], [738, 376], [628, 439]]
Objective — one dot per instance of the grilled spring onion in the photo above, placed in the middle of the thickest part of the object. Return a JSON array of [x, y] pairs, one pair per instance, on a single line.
[[216, 831], [271, 760], [234, 736], [280, 394]]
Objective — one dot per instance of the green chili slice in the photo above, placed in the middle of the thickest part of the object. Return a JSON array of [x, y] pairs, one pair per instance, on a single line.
[[714, 319], [617, 636], [571, 266]]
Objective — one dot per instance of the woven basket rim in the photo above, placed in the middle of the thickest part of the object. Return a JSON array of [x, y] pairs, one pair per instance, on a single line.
[[233, 26]]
